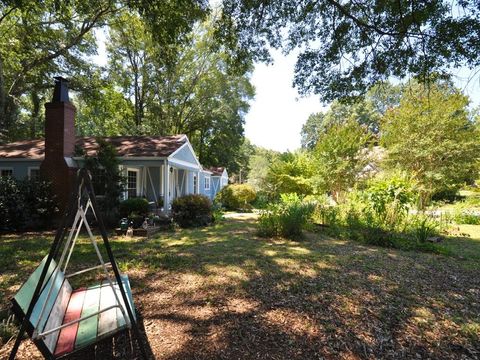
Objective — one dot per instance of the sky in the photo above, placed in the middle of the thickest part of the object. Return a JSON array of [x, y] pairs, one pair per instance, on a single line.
[[277, 113]]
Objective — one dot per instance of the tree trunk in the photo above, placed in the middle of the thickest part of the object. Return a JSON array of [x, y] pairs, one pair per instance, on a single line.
[[35, 119], [2, 101]]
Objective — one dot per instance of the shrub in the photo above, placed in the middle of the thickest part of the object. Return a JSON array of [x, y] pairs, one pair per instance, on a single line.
[[465, 217], [28, 203], [40, 203], [268, 223], [217, 213], [379, 215], [192, 210], [261, 200], [288, 218], [236, 196], [11, 204], [449, 195], [134, 206]]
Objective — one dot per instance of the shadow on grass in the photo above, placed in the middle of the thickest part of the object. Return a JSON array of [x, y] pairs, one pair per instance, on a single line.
[[223, 293]]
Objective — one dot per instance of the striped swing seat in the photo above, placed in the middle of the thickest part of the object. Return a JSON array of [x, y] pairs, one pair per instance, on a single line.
[[95, 305], [59, 319]]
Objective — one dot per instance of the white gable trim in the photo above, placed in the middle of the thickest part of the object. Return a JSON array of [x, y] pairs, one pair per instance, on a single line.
[[189, 146], [187, 164]]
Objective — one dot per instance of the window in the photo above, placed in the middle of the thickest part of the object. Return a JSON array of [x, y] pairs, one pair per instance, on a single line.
[[4, 172], [99, 181], [132, 183], [207, 183], [33, 173], [194, 184]]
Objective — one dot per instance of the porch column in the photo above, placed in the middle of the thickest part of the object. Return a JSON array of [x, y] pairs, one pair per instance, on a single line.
[[198, 183], [166, 187]]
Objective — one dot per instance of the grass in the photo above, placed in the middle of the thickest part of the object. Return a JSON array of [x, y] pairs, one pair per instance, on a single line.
[[222, 292]]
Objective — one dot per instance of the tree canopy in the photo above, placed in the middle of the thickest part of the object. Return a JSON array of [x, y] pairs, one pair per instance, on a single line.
[[348, 46], [42, 39], [366, 111], [431, 136]]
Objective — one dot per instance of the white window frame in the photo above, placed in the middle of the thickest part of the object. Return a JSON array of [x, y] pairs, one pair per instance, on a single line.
[[137, 190], [207, 188], [6, 168], [30, 168]]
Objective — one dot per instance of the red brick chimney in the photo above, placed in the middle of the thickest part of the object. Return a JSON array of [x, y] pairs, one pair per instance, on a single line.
[[58, 165]]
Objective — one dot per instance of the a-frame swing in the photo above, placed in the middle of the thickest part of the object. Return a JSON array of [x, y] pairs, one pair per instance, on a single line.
[[59, 319]]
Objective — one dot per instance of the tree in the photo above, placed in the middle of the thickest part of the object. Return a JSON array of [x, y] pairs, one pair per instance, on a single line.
[[131, 64], [103, 111], [107, 179], [312, 129], [348, 46], [196, 94], [50, 38], [431, 137], [339, 158], [290, 173], [366, 111], [44, 39], [259, 165]]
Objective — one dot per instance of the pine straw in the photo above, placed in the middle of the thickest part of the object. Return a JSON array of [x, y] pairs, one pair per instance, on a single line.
[[223, 293]]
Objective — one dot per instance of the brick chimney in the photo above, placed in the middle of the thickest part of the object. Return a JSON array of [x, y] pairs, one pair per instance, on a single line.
[[58, 165]]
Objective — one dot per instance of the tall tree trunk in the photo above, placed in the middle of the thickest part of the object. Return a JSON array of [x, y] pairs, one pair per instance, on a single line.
[[2, 101], [35, 118], [137, 100]]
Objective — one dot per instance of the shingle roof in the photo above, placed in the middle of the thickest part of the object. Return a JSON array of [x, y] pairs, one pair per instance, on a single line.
[[30, 149], [216, 171], [132, 146]]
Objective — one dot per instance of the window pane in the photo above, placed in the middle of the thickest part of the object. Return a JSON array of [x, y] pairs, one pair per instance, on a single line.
[[132, 183], [34, 174], [99, 181], [6, 172]]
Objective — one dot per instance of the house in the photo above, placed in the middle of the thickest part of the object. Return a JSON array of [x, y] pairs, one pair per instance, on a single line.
[[159, 168], [219, 178], [213, 180]]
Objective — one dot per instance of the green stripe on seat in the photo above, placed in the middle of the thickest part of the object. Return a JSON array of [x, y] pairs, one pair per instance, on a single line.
[[87, 329]]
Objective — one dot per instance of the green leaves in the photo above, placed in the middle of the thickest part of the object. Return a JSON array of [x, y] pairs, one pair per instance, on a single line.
[[431, 137], [339, 157], [348, 46]]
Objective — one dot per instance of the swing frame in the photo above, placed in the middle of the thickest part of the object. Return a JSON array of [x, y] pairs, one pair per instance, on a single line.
[[74, 218]]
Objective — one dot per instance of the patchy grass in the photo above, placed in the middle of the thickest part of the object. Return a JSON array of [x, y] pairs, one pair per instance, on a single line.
[[223, 293]]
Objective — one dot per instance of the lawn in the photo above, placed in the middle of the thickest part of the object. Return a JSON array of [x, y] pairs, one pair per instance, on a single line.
[[223, 293]]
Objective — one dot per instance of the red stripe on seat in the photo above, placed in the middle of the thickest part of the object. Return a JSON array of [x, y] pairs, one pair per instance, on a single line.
[[66, 340]]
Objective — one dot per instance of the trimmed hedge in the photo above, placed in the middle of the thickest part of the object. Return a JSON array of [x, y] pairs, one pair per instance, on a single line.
[[192, 211], [237, 196]]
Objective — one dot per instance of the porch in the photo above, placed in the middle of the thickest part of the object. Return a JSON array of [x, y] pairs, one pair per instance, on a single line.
[[160, 181]]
